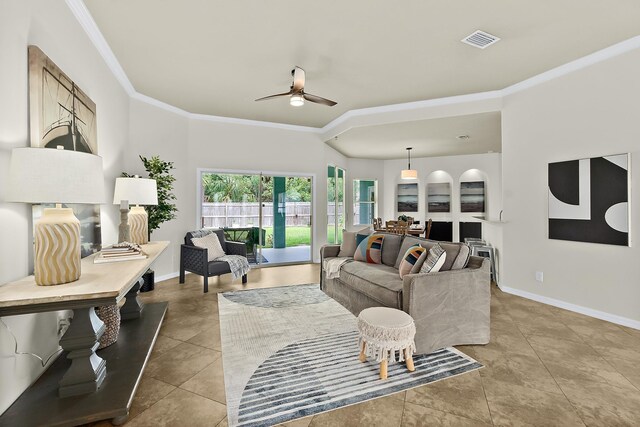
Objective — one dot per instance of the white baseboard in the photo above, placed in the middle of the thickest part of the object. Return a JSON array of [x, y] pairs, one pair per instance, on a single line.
[[167, 276], [619, 320]]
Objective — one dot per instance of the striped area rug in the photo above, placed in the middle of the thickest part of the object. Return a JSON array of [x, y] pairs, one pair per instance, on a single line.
[[290, 352]]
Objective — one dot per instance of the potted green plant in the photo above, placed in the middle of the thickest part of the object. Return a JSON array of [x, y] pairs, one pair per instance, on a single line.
[[165, 210], [403, 218]]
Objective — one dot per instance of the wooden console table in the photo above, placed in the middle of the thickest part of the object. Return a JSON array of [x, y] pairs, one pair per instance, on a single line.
[[86, 386]]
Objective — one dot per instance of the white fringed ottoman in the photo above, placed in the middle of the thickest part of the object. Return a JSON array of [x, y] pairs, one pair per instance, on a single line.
[[384, 334]]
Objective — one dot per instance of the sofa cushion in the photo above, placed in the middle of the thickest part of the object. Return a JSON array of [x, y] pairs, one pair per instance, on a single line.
[[391, 248], [370, 250], [377, 281], [451, 248], [217, 268]]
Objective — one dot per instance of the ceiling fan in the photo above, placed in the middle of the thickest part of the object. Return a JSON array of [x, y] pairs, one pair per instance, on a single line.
[[297, 94]]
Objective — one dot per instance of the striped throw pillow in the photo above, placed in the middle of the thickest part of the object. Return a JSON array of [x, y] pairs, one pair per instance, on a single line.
[[435, 259], [412, 260], [370, 249]]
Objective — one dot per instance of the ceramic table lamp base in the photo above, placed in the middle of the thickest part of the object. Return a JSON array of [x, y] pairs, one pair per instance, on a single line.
[[139, 224], [57, 247]]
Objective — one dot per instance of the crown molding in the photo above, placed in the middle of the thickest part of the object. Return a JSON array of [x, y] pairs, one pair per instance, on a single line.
[[352, 118], [80, 11], [576, 65], [247, 122], [419, 110]]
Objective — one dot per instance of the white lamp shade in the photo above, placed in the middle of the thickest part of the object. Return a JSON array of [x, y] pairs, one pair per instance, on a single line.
[[137, 191], [47, 175], [409, 174]]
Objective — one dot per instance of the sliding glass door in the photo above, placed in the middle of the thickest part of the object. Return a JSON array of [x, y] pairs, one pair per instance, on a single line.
[[335, 204], [271, 214]]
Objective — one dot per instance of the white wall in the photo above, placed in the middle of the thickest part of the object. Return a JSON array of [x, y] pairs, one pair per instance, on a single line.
[[51, 26], [157, 132], [197, 143], [589, 113]]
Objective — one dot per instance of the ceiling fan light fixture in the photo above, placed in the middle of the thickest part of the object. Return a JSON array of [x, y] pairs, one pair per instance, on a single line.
[[296, 100], [409, 173]]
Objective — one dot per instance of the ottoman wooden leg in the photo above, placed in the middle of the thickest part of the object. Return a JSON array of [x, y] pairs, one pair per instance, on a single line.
[[383, 370], [363, 357], [409, 359]]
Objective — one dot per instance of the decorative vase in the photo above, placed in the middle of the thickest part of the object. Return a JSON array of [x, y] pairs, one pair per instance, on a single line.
[[139, 225], [110, 316], [57, 247]]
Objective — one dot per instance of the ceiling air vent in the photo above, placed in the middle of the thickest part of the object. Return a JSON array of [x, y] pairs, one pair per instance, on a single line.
[[480, 39]]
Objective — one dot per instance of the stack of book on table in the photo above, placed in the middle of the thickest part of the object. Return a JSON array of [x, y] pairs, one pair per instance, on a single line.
[[120, 252]]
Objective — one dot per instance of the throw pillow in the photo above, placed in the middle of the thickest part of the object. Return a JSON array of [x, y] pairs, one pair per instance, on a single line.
[[362, 234], [462, 259], [412, 260], [370, 249], [348, 245], [211, 243], [434, 260], [351, 240]]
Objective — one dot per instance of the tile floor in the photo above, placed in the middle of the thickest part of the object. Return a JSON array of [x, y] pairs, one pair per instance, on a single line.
[[544, 366]]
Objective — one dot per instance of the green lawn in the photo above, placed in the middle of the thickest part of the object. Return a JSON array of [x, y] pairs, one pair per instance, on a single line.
[[295, 236]]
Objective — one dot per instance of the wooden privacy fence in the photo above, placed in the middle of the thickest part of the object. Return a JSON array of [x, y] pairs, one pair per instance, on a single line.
[[248, 214], [241, 214]]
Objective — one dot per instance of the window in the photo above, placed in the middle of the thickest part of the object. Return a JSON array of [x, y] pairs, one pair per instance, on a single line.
[[364, 202], [335, 204]]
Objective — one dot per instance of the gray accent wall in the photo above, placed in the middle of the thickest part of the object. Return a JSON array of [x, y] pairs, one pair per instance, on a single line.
[[591, 112]]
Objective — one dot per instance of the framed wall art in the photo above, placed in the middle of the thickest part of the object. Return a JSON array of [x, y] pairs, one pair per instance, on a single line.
[[407, 198], [439, 197], [472, 196], [62, 116], [589, 200]]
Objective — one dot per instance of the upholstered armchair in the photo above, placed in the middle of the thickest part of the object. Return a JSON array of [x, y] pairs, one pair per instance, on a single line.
[[195, 259]]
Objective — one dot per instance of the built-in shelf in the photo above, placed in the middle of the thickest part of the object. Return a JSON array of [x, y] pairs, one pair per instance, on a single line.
[[490, 221]]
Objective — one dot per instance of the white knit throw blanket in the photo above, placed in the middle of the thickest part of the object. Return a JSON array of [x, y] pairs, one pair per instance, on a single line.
[[332, 266], [238, 264]]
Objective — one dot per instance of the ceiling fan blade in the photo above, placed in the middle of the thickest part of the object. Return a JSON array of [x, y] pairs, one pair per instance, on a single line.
[[275, 96], [319, 100], [298, 79]]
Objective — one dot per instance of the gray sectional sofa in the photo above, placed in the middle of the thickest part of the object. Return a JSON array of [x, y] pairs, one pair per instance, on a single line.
[[450, 307]]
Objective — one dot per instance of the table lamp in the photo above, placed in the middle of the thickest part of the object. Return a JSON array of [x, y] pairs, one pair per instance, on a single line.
[[138, 191], [45, 175]]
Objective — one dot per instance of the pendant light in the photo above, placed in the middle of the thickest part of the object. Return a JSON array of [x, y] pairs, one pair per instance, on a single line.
[[409, 173]]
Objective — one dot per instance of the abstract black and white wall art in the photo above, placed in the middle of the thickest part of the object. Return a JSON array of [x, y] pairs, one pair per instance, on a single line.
[[472, 196], [407, 197], [439, 197], [589, 200]]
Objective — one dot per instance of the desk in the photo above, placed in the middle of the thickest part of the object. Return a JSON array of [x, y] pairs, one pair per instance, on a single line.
[[49, 401]]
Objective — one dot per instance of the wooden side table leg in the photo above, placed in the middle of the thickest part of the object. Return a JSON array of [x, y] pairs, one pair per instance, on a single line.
[[363, 357], [383, 369], [132, 307], [409, 359], [87, 370]]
